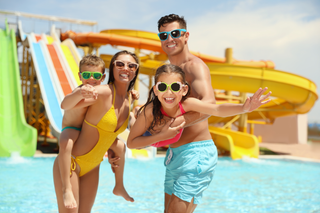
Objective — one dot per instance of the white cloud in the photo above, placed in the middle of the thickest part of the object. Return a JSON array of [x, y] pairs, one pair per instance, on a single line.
[[283, 33]]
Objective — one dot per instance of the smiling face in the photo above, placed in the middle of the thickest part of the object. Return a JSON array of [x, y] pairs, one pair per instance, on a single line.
[[168, 98], [91, 68], [124, 74], [173, 46]]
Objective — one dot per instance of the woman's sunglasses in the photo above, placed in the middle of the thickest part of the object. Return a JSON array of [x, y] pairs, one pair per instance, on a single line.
[[87, 74], [175, 86], [174, 34], [120, 65]]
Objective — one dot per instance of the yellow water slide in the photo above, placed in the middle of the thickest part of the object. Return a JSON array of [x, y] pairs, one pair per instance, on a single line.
[[291, 94]]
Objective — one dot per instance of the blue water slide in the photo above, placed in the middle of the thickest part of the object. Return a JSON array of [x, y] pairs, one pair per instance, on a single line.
[[48, 91]]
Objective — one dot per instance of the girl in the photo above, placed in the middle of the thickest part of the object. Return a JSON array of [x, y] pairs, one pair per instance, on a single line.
[[169, 97], [189, 167]]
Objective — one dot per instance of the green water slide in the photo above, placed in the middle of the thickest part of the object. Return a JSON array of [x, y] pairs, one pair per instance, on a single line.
[[15, 134]]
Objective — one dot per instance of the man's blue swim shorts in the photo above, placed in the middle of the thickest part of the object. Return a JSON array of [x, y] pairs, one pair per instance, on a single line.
[[190, 169]]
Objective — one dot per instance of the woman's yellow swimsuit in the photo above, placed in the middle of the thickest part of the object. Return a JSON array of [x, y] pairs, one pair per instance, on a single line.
[[107, 134]]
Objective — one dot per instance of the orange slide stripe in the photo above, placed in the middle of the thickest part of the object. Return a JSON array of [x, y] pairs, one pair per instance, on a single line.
[[60, 72], [38, 38]]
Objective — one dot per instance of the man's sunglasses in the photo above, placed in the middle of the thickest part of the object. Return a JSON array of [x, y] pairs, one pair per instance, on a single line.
[[87, 74], [120, 65], [175, 86], [174, 34]]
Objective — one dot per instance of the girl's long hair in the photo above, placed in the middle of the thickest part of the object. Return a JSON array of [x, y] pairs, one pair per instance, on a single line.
[[152, 98], [111, 66]]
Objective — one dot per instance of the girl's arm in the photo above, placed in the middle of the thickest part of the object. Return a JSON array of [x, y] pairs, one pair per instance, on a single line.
[[227, 109], [136, 140]]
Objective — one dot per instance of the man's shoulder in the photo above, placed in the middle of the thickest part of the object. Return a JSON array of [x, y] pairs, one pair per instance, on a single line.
[[194, 64], [194, 61]]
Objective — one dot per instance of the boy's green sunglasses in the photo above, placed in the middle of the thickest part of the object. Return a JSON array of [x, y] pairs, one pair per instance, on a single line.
[[87, 74]]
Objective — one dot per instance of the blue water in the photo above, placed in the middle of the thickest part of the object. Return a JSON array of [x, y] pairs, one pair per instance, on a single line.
[[247, 185]]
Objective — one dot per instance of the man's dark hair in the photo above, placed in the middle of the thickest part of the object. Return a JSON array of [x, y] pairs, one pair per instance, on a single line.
[[172, 18]]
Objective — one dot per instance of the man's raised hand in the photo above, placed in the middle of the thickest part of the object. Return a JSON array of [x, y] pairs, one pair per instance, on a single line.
[[256, 100]]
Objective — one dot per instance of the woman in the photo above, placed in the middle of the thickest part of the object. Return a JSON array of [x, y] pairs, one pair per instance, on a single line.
[[107, 116]]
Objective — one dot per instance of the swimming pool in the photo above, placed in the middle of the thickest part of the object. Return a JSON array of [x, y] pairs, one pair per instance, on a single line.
[[247, 185]]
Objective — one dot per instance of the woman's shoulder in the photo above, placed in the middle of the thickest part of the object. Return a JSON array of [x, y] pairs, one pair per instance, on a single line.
[[104, 89]]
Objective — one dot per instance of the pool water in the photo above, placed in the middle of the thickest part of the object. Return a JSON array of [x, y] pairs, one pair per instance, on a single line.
[[247, 185]]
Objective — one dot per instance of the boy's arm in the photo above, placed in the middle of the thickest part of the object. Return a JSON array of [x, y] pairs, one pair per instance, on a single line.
[[71, 99], [82, 96]]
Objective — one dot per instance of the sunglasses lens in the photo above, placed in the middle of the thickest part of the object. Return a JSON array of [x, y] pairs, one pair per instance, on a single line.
[[86, 75], [133, 66], [175, 87], [162, 87], [119, 64], [97, 75], [175, 33], [163, 36]]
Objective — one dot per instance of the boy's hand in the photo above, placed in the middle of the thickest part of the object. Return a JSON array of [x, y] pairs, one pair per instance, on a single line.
[[88, 91], [112, 159], [135, 94]]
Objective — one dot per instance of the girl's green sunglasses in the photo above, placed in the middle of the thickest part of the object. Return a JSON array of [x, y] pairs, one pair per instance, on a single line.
[[87, 74]]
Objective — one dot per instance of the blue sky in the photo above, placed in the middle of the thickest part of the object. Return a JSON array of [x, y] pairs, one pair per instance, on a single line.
[[284, 31]]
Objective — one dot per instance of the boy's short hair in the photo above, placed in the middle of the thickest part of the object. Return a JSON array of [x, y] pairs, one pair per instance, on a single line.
[[172, 18], [92, 60]]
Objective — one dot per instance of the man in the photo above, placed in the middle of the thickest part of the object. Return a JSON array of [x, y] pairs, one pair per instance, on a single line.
[[183, 191]]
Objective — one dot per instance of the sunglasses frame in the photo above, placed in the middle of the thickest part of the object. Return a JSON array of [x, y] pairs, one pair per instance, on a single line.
[[91, 74], [126, 64], [169, 32], [169, 85]]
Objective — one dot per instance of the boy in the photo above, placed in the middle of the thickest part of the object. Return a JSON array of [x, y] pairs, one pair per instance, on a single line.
[[92, 73]]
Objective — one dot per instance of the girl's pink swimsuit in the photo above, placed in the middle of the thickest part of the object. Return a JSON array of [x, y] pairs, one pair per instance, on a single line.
[[171, 140]]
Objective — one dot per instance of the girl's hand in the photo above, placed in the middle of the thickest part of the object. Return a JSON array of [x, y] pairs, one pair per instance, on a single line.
[[88, 91], [256, 100], [168, 132]]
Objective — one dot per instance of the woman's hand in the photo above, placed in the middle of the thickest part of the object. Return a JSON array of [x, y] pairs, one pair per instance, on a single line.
[[135, 94]]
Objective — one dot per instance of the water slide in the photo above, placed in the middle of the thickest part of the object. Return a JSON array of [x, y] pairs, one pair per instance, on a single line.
[[55, 75], [15, 134], [56, 65], [292, 94]]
